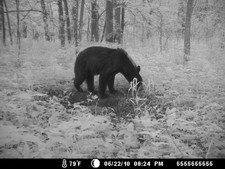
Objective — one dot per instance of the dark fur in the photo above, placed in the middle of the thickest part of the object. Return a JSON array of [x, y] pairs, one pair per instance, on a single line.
[[107, 63]]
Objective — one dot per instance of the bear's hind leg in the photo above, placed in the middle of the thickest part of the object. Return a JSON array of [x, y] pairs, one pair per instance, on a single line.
[[103, 79], [90, 82]]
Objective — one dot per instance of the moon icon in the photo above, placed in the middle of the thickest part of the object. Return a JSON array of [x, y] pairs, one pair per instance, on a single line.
[[95, 163]]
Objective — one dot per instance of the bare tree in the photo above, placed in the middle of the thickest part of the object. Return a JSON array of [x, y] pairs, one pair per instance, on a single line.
[[81, 19], [122, 22], [188, 29], [18, 23], [24, 30], [9, 24], [67, 20], [103, 32], [109, 21], [75, 20], [61, 24], [117, 21], [94, 21], [160, 28], [88, 29], [3, 22], [52, 30], [45, 19]]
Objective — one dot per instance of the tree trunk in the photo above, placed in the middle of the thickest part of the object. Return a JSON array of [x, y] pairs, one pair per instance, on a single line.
[[61, 24], [18, 21], [3, 22], [109, 21], [88, 29], [207, 23], [94, 21], [52, 30], [161, 33], [75, 20], [122, 22], [103, 33], [1, 6], [81, 19], [18, 25], [67, 21], [188, 29], [24, 30], [45, 20], [117, 23], [9, 24]]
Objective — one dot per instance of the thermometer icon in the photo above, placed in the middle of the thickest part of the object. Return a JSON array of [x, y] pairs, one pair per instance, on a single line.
[[64, 164]]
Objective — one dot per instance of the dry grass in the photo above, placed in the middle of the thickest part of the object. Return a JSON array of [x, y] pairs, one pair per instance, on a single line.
[[179, 113]]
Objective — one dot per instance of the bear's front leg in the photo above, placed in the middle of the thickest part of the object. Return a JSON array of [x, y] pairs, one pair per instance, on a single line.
[[103, 79], [78, 82]]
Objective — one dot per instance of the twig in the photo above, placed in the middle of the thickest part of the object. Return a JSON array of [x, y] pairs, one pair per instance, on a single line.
[[174, 143], [206, 156], [28, 12]]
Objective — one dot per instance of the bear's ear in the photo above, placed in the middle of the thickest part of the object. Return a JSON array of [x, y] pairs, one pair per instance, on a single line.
[[138, 69]]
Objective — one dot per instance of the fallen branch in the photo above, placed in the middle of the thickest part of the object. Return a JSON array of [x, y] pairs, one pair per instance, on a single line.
[[26, 10]]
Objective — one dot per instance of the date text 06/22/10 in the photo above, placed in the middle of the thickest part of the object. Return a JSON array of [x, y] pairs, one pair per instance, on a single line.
[[133, 163]]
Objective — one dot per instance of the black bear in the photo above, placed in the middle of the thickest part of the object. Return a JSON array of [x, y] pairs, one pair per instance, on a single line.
[[106, 62]]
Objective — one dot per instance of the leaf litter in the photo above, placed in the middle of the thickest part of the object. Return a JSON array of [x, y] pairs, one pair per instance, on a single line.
[[179, 114]]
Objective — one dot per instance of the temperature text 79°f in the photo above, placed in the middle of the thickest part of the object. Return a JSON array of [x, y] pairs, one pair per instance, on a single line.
[[74, 163]]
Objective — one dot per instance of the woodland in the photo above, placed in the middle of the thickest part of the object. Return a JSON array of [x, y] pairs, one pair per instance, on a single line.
[[179, 112]]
